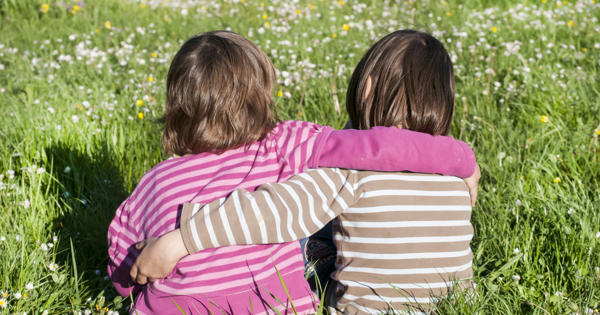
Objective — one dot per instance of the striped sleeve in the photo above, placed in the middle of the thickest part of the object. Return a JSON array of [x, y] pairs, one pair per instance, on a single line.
[[274, 213]]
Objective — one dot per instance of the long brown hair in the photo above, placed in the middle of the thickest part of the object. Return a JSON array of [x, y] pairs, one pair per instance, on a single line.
[[412, 85], [219, 95]]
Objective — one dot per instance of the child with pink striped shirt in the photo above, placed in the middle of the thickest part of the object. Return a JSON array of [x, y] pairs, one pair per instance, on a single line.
[[219, 120]]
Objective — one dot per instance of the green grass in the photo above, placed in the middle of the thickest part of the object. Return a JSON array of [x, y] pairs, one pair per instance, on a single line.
[[73, 146]]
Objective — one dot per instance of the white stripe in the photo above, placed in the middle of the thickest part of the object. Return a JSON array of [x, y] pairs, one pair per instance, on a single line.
[[209, 227], [327, 181], [411, 192], [298, 207], [404, 240], [324, 204], [259, 218], [289, 222], [388, 299], [432, 285], [311, 205], [226, 224], [407, 208], [410, 178], [369, 310], [275, 215], [240, 214], [383, 256], [401, 224], [194, 230], [407, 271]]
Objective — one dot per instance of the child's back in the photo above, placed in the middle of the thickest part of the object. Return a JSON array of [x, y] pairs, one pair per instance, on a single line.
[[152, 210]]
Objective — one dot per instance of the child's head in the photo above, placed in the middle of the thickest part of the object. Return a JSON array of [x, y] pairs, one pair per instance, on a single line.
[[219, 95], [405, 79]]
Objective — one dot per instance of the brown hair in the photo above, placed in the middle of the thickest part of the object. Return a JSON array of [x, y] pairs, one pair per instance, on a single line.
[[412, 85], [219, 95]]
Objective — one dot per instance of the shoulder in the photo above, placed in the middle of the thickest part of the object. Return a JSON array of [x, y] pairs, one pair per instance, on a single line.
[[288, 127], [417, 180]]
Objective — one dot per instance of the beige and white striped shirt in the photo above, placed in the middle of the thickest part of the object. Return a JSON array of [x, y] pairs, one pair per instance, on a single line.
[[402, 238]]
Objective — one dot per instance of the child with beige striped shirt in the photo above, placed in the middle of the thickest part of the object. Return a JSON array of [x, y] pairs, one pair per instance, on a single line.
[[402, 238]]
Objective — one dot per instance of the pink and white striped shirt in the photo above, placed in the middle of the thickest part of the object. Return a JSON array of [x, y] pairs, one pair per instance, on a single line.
[[248, 274]]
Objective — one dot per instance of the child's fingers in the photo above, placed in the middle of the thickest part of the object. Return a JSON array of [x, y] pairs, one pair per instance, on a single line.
[[141, 279], [133, 272], [140, 245]]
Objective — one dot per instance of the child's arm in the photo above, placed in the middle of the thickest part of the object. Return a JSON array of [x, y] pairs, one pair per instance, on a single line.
[[279, 212], [393, 149]]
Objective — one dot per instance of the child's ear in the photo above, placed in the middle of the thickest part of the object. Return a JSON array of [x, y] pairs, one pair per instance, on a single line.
[[368, 88]]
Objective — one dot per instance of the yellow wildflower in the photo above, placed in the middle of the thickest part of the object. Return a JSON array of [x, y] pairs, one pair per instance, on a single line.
[[411, 2], [154, 55], [571, 23], [448, 13], [345, 27], [141, 115], [139, 102], [558, 4], [544, 119], [279, 93], [150, 79], [556, 180], [310, 6], [2, 303], [334, 35], [544, 1], [143, 5], [494, 29], [107, 24], [75, 8], [45, 8], [267, 24], [166, 19], [598, 132], [265, 16], [97, 31], [262, 4], [298, 11], [341, 2]]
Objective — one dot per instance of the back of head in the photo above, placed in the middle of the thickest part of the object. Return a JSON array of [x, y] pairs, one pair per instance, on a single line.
[[411, 85], [219, 95]]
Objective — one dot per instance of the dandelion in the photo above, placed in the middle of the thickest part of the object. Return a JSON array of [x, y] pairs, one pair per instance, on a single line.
[[52, 266], [150, 79], [143, 5], [267, 24], [107, 24], [3, 303], [29, 286], [139, 102], [544, 119], [494, 29], [345, 27], [279, 93], [298, 11], [265, 16], [341, 2], [598, 132], [311, 7], [154, 55], [334, 35], [45, 8], [571, 23], [140, 115], [556, 180], [75, 8]]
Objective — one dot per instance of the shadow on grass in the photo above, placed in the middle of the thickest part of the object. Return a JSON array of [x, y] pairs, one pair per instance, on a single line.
[[89, 188]]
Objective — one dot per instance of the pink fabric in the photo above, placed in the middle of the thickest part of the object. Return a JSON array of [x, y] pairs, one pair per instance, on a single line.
[[153, 209], [383, 148]]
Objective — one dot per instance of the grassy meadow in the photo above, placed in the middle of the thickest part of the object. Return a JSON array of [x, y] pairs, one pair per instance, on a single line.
[[82, 83]]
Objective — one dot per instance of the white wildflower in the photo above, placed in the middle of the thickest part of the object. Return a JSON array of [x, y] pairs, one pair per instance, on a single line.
[[516, 251], [52, 266], [17, 295], [29, 286]]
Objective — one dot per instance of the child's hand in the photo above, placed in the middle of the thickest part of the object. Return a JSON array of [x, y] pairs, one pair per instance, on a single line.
[[473, 184], [158, 257]]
